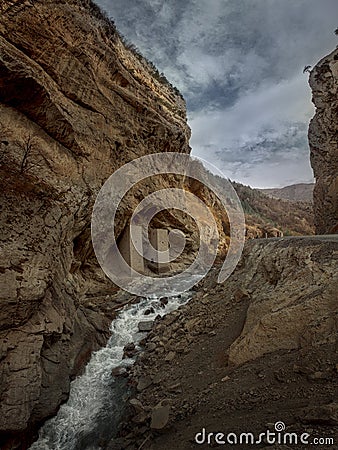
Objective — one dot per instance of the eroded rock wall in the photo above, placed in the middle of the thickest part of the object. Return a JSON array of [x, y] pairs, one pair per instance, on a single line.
[[75, 104], [262, 344], [323, 140]]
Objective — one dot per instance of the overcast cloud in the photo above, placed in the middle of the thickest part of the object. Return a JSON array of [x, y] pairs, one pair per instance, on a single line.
[[239, 64]]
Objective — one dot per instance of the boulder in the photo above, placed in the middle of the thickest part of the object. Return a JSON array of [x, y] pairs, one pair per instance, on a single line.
[[129, 350], [143, 383], [160, 415], [145, 326]]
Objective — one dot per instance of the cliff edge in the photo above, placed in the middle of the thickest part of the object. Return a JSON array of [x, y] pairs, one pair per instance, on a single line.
[[75, 105], [323, 140]]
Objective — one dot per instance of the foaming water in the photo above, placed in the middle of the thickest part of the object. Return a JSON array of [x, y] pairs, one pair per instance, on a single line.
[[93, 410]]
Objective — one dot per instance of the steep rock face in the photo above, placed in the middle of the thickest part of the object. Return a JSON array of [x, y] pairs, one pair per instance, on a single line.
[[323, 140], [75, 104], [293, 287]]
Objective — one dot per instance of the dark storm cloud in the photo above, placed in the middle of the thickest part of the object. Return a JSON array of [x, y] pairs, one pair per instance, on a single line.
[[239, 65]]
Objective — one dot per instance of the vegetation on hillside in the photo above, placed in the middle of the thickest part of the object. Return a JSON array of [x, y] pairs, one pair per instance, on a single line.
[[293, 218], [261, 211]]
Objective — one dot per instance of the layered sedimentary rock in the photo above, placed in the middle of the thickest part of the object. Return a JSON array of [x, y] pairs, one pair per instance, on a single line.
[[323, 140], [75, 104]]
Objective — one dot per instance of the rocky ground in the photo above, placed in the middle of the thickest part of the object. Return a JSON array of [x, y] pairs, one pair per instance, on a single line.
[[243, 355]]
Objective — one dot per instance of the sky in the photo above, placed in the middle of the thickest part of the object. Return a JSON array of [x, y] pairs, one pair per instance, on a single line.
[[239, 65]]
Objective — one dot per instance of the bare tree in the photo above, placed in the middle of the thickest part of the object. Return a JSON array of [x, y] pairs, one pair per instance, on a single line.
[[30, 155]]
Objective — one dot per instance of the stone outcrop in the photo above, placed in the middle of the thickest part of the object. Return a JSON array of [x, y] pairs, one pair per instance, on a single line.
[[292, 290], [259, 346], [75, 104], [323, 140]]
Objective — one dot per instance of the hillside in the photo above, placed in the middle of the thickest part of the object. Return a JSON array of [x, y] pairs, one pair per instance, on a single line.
[[265, 216], [264, 212], [243, 355], [301, 192]]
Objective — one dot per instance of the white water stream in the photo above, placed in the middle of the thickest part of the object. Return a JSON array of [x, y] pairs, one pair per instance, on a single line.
[[92, 412]]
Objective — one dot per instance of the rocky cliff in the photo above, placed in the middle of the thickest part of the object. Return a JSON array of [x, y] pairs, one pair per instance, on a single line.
[[259, 348], [323, 140], [75, 104]]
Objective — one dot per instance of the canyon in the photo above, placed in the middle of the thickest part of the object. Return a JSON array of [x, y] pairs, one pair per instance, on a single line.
[[76, 104]]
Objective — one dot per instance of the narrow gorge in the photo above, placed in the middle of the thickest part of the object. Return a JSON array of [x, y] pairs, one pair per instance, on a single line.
[[76, 103]]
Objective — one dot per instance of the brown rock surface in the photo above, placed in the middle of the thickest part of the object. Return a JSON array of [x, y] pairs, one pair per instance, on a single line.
[[323, 142], [75, 104], [258, 349], [295, 304]]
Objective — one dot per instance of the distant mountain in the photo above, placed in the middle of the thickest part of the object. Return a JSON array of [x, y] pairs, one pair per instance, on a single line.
[[301, 192], [263, 211]]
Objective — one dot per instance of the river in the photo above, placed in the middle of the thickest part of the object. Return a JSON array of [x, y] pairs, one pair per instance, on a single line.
[[90, 417]]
